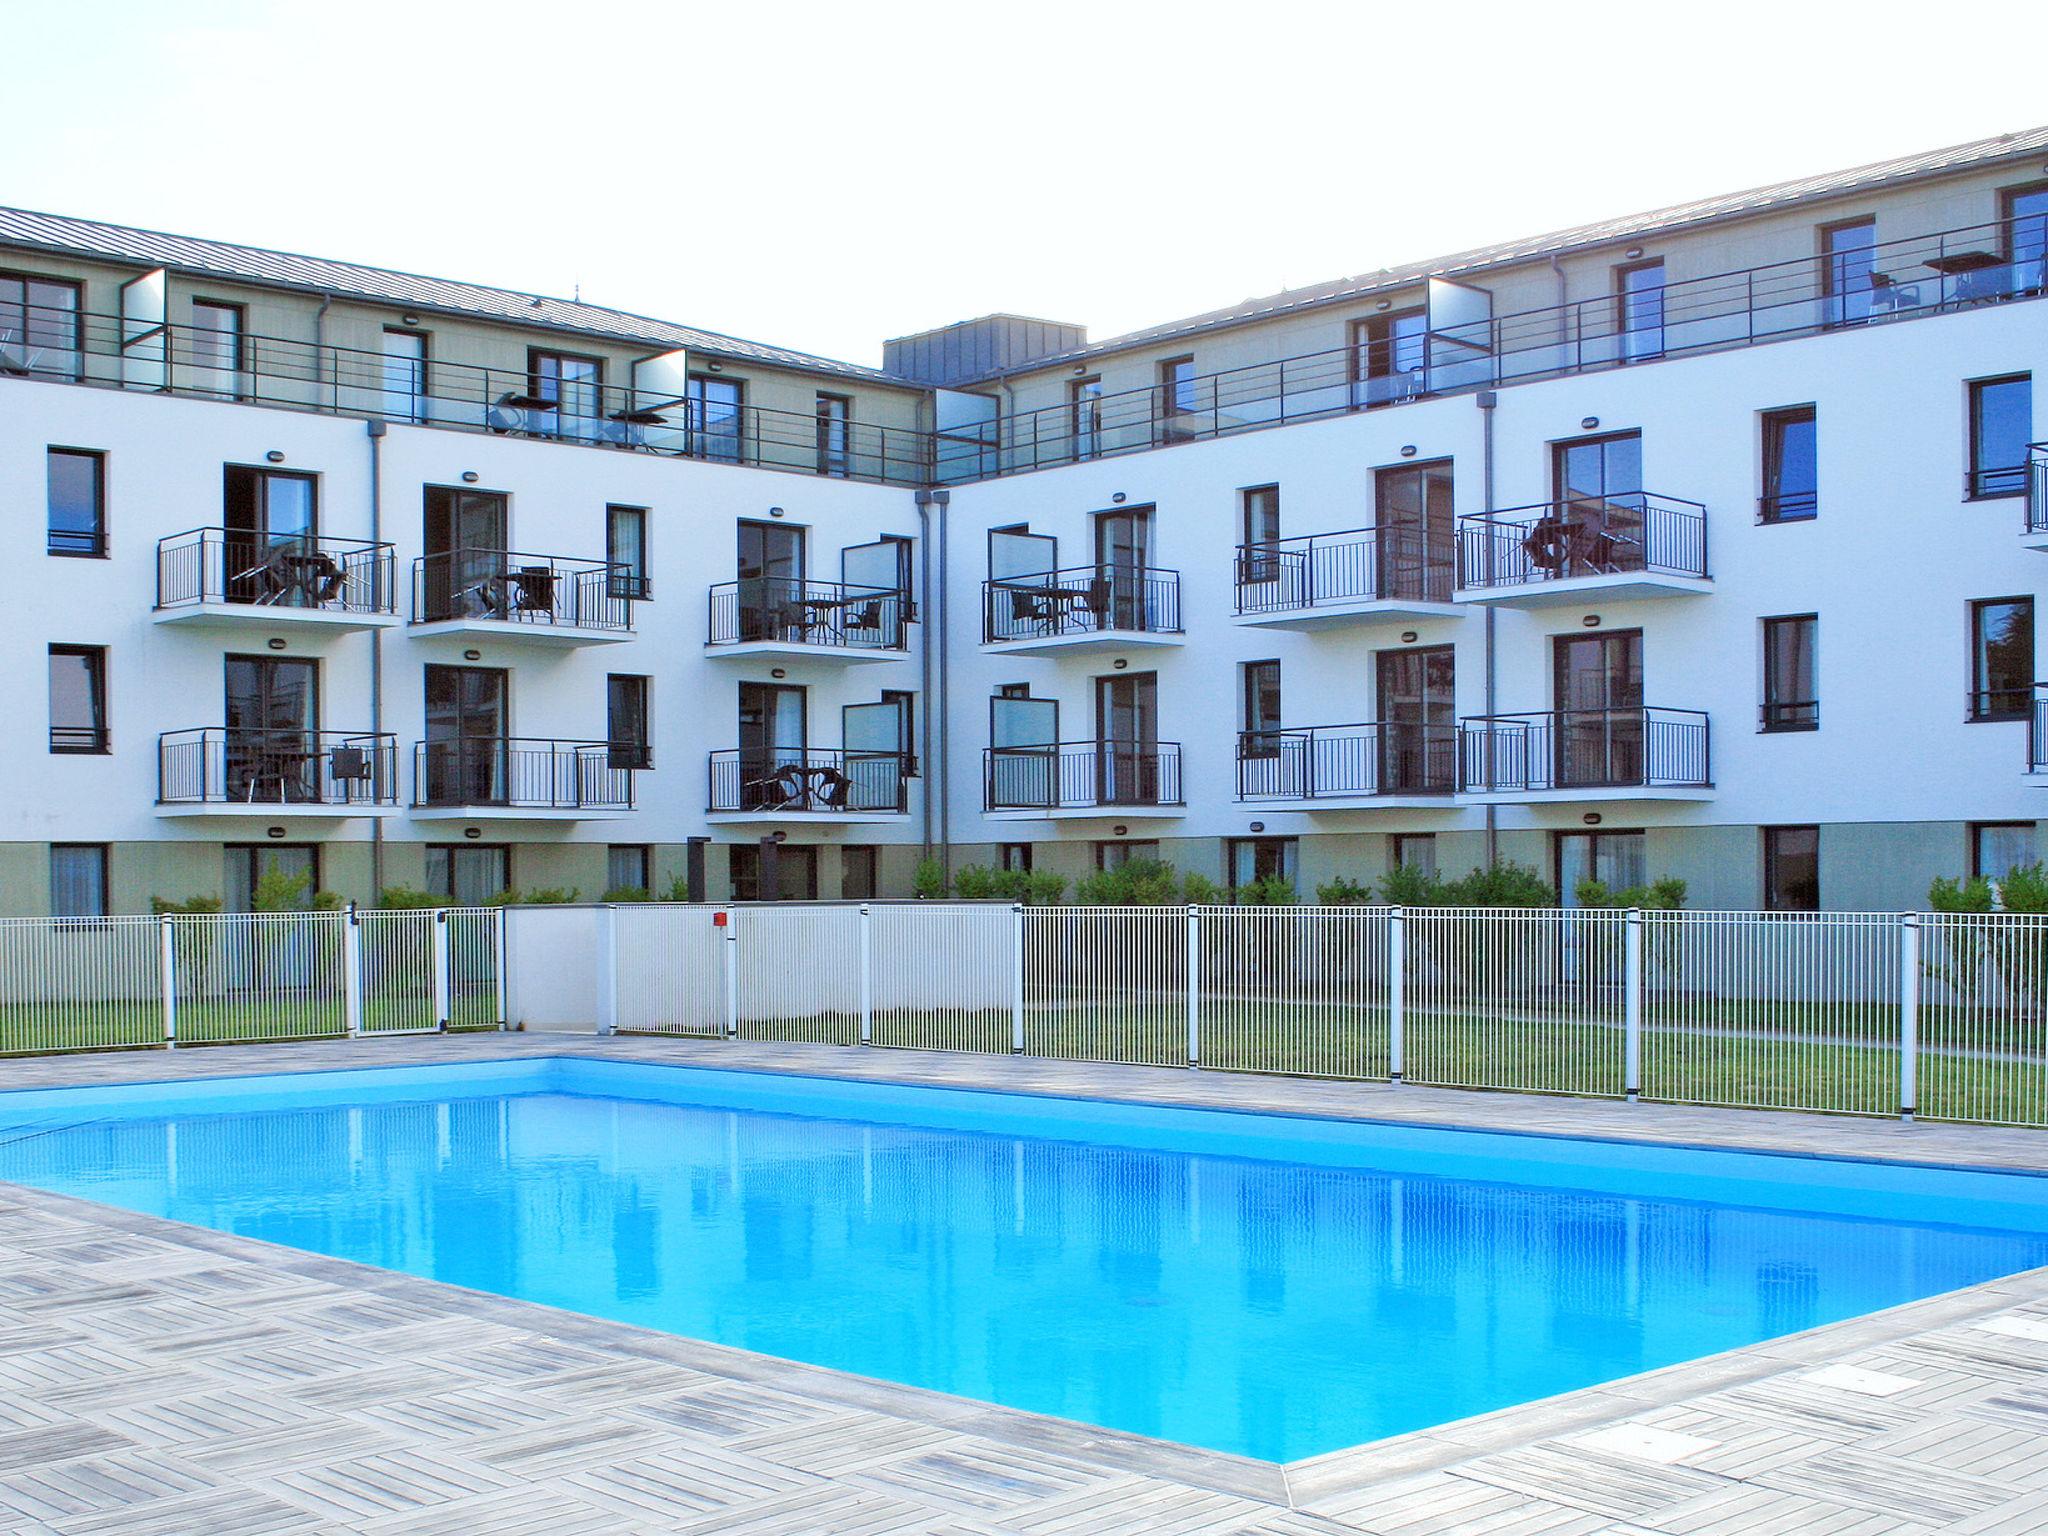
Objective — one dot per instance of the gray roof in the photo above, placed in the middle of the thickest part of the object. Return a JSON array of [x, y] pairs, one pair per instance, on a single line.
[[346, 279], [1680, 216]]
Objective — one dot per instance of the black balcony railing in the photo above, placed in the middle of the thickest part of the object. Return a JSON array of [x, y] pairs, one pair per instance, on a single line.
[[2037, 487], [1355, 565], [790, 610], [2037, 731], [1630, 533], [519, 773], [1084, 600], [1920, 275], [1081, 775], [543, 590], [215, 765], [1642, 748], [1390, 757], [71, 346], [227, 565], [777, 780]]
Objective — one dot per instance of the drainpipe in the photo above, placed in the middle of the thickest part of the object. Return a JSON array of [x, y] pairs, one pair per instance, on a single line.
[[1563, 314], [944, 625], [1488, 400], [375, 426], [924, 666], [320, 349]]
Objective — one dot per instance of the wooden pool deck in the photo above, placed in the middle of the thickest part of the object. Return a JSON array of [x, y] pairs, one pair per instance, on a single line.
[[162, 1378]]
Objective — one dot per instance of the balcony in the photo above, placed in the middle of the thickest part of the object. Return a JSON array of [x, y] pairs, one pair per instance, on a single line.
[[1078, 779], [226, 578], [816, 784], [1616, 547], [1586, 754], [1353, 577], [2037, 731], [790, 619], [543, 599], [2035, 535], [1089, 608], [509, 777], [1350, 767], [239, 774]]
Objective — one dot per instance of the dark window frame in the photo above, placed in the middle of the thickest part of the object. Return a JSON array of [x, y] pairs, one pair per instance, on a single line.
[[1987, 704], [1996, 482], [644, 852], [1398, 841], [1014, 857], [1130, 845], [453, 850], [863, 854], [239, 363], [97, 547], [1776, 715], [843, 469], [905, 700], [1774, 505], [1976, 849], [1623, 295], [77, 313], [1772, 859], [787, 857], [103, 855], [1257, 740], [1287, 848], [1831, 263], [97, 738], [633, 582], [636, 748]]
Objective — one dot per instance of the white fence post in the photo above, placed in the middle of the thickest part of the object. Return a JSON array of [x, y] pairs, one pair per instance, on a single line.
[[351, 971], [1017, 978], [170, 962], [502, 943], [1909, 1013], [444, 1010], [867, 977], [1397, 968], [1194, 986], [607, 970], [729, 954], [1632, 1004]]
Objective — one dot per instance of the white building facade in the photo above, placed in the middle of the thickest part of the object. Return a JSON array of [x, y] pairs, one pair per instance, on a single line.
[[1700, 545]]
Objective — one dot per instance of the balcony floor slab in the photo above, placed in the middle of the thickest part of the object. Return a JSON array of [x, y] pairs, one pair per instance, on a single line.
[[807, 818], [790, 650], [1622, 587], [1447, 801], [556, 635], [2034, 538], [1093, 643], [1357, 611], [249, 618], [516, 813], [1588, 795], [246, 811], [1091, 813]]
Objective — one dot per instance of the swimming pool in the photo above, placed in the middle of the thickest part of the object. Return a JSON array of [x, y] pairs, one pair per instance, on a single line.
[[1265, 1285]]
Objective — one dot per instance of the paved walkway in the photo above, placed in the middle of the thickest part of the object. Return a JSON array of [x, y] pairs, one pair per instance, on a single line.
[[159, 1378]]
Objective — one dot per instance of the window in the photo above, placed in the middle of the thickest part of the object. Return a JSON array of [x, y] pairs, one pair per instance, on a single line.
[[628, 867], [1792, 869], [1258, 532], [1999, 847], [906, 727], [717, 417], [625, 550], [1412, 850], [835, 423], [38, 325], [1791, 466], [77, 480], [2001, 424], [1014, 856], [1639, 299], [78, 698], [796, 872], [626, 722], [573, 384], [468, 874], [216, 347], [78, 880], [245, 865], [1260, 716], [1615, 859], [1848, 254], [1388, 353], [1084, 407], [2001, 658], [1250, 859], [1117, 855], [2026, 236], [1791, 691], [405, 374], [856, 873], [1177, 391]]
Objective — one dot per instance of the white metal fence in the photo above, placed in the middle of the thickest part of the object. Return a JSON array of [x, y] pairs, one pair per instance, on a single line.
[[202, 979], [1847, 1012]]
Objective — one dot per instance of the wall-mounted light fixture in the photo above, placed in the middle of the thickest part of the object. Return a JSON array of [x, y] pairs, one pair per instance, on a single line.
[[273, 832], [1409, 637], [1119, 664], [469, 477], [276, 643], [775, 511], [1118, 498], [1080, 368], [1588, 423], [715, 366], [1591, 818], [1119, 831], [408, 319], [778, 837], [1258, 826], [472, 655], [1384, 304], [1591, 621], [472, 833], [275, 456], [1633, 252], [777, 672], [1407, 450]]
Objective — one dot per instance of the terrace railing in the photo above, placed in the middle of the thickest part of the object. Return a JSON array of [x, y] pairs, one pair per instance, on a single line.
[[1644, 748], [520, 773], [1395, 757], [1081, 600], [1357, 564], [793, 610], [217, 765], [504, 585], [1081, 775], [72, 346], [1634, 533], [227, 565], [2037, 488], [808, 780]]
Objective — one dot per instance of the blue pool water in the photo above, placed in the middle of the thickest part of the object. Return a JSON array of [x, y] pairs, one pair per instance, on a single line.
[[1266, 1285]]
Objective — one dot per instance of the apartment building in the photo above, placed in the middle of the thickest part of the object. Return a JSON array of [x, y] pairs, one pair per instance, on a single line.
[[1702, 543]]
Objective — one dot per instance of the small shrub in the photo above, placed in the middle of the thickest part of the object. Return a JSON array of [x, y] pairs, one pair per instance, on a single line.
[[977, 882], [678, 889], [1504, 885], [1198, 890], [1267, 891], [1666, 895], [929, 883], [407, 898], [1409, 886], [1031, 887], [626, 893], [2024, 889], [1135, 883], [189, 906], [1344, 892]]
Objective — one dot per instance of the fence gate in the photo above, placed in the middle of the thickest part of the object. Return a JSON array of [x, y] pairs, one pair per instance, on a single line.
[[258, 976], [797, 973], [940, 977], [670, 969]]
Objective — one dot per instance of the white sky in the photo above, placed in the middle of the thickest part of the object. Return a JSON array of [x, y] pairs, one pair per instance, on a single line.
[[824, 176]]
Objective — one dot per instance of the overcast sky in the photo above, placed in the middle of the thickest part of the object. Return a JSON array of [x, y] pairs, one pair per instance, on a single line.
[[824, 176]]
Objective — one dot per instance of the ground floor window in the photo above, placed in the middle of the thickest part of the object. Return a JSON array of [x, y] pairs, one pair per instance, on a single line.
[[1014, 856], [1412, 850], [628, 867], [796, 873], [856, 873], [1615, 859], [78, 880], [1117, 855], [1792, 869], [1250, 859], [1998, 847], [283, 875], [468, 874]]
